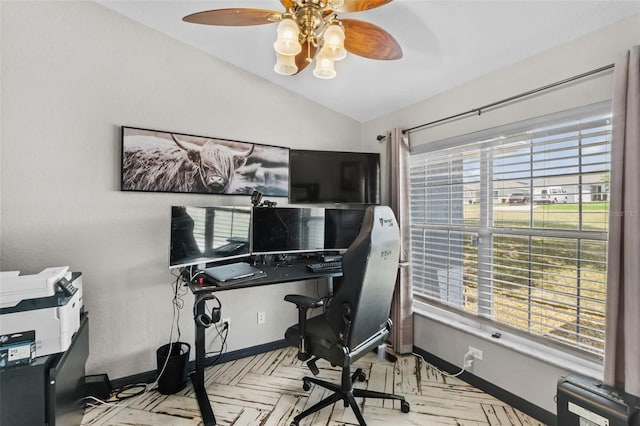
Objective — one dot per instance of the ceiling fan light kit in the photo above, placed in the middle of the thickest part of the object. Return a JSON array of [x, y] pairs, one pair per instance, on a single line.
[[315, 32], [285, 64], [288, 34], [334, 42], [324, 67], [310, 29]]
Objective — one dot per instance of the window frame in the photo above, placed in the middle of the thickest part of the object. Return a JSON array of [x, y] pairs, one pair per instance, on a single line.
[[486, 228]]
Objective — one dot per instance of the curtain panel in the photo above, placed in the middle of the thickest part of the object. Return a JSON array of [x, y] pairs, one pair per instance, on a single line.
[[622, 346], [398, 175]]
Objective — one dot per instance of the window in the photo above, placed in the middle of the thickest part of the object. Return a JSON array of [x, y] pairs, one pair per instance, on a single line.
[[510, 224]]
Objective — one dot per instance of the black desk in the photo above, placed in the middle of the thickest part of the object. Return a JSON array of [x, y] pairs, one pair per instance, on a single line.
[[274, 274]]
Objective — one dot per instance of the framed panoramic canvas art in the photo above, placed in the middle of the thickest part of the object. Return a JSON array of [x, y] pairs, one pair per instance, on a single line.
[[160, 161]]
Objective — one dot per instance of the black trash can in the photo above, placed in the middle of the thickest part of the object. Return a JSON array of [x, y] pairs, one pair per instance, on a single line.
[[174, 377]]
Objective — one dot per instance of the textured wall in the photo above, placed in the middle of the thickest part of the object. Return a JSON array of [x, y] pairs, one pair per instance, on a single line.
[[72, 74]]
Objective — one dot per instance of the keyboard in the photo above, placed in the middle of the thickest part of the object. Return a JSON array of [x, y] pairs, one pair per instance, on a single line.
[[324, 266]]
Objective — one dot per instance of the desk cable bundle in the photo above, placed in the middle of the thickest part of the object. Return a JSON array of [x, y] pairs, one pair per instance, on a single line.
[[132, 392]]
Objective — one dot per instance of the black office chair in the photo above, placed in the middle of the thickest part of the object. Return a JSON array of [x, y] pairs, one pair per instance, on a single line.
[[357, 320]]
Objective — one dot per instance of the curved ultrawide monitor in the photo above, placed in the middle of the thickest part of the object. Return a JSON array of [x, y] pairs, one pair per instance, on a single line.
[[201, 235]]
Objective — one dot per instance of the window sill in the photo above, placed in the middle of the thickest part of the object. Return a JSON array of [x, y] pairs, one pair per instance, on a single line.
[[509, 340]]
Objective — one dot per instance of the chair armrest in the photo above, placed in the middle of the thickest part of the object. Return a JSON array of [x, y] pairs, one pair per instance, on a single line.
[[304, 302]]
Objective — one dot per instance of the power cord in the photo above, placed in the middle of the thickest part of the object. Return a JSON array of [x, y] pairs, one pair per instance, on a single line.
[[224, 333], [179, 291], [444, 373], [99, 402], [116, 401], [177, 304], [223, 345], [120, 394], [467, 360], [326, 300]]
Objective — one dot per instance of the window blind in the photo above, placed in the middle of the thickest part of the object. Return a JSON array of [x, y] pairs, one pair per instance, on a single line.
[[226, 224], [511, 225]]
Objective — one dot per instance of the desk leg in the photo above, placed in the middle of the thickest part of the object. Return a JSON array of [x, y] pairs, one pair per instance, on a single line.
[[197, 378]]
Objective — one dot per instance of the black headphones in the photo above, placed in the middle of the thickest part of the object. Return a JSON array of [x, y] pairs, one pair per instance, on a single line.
[[204, 320]]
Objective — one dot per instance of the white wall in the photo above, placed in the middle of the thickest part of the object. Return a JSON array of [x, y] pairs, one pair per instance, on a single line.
[[72, 74], [520, 374]]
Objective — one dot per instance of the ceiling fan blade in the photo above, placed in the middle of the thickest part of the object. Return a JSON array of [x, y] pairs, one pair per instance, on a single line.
[[359, 5], [301, 58], [369, 41], [232, 17], [287, 3]]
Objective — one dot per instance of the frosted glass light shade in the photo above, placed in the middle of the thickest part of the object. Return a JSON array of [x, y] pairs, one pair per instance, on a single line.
[[285, 64], [334, 42], [324, 66], [287, 42]]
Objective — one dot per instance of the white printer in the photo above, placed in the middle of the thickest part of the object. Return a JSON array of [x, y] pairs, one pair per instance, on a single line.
[[45, 306]]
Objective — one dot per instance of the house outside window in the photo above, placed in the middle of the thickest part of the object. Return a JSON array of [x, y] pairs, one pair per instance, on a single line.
[[510, 225]]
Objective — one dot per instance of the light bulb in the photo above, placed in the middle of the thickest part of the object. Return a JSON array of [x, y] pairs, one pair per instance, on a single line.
[[334, 42], [287, 42], [324, 66], [285, 64]]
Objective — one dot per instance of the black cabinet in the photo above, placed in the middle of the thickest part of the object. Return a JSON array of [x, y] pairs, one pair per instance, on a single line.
[[47, 391]]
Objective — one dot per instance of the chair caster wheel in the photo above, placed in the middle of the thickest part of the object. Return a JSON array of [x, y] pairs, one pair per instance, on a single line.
[[361, 376], [404, 406], [294, 423], [306, 386]]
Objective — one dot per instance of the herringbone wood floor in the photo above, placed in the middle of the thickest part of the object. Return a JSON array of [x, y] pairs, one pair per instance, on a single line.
[[266, 389]]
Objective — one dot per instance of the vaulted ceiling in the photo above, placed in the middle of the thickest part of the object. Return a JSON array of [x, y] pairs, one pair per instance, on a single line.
[[445, 43]]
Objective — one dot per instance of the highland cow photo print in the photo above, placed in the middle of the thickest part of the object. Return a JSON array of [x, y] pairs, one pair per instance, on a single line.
[[159, 161]]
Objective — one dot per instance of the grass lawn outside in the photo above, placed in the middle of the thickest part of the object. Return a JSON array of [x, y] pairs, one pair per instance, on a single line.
[[595, 216], [562, 285]]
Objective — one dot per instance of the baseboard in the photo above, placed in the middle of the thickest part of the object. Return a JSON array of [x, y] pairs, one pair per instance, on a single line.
[[515, 401], [150, 376]]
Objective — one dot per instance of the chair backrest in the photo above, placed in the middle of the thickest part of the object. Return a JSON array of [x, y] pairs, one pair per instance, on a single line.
[[370, 268]]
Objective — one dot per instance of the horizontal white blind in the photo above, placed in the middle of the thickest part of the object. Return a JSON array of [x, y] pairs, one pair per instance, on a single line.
[[226, 223], [513, 227]]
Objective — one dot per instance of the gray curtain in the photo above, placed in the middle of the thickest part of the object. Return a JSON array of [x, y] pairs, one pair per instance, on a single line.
[[398, 175], [622, 347]]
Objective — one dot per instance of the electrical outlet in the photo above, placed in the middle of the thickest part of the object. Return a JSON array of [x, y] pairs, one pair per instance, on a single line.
[[226, 321], [475, 353], [262, 317]]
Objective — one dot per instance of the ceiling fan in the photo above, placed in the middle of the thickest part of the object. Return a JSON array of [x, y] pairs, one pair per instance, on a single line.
[[310, 29]]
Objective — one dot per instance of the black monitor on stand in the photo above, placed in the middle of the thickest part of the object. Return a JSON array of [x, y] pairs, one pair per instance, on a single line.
[[287, 230], [201, 235]]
